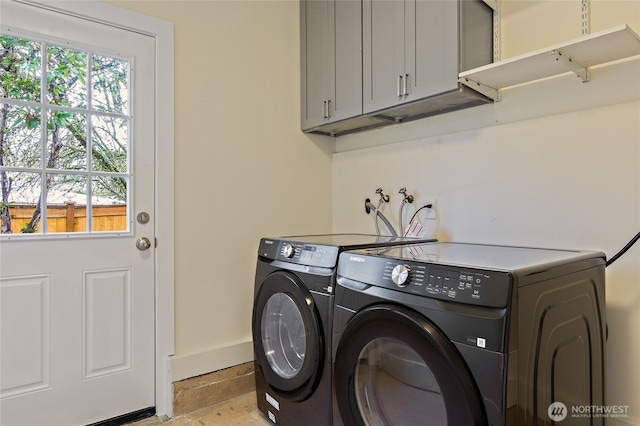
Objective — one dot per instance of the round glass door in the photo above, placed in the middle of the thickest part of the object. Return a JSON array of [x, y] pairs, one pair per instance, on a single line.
[[283, 335], [287, 336], [395, 367], [389, 374]]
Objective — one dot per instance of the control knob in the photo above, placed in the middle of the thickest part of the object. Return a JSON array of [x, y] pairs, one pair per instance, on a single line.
[[288, 251], [400, 275]]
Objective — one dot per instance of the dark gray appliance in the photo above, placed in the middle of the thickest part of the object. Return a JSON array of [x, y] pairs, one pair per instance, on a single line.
[[292, 317], [466, 334]]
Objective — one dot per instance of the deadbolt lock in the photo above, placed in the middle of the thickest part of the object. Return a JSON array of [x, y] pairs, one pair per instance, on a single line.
[[143, 217]]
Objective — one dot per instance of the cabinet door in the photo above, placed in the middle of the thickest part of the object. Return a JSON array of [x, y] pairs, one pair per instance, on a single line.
[[383, 53], [347, 96], [431, 50], [317, 60]]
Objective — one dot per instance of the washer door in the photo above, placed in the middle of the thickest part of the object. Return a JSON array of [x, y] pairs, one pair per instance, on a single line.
[[287, 338], [393, 367]]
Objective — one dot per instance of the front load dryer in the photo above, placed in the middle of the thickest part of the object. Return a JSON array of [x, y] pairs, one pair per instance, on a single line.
[[467, 334], [292, 316]]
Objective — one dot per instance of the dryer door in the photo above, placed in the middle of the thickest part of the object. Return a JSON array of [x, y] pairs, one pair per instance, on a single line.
[[287, 337], [394, 367]]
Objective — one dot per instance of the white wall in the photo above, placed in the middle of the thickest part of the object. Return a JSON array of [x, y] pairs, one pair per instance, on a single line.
[[243, 168], [554, 164]]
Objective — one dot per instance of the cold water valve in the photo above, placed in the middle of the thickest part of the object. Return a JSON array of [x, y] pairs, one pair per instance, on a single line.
[[383, 197]]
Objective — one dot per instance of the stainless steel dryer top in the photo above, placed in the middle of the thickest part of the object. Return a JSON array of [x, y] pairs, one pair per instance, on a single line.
[[484, 256]]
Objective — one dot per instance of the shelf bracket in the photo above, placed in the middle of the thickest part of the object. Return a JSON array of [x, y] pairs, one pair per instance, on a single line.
[[579, 70], [489, 92], [493, 4]]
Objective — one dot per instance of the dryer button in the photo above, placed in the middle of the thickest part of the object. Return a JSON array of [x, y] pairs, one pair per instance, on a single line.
[[400, 275]]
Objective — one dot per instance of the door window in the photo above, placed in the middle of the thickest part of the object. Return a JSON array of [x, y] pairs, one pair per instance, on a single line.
[[283, 335], [394, 366], [390, 379], [64, 138], [288, 336]]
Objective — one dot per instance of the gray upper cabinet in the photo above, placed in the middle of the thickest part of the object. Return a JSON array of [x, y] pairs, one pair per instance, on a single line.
[[372, 63], [410, 50], [331, 40]]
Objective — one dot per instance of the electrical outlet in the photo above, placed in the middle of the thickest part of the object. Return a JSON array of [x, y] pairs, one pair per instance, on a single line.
[[432, 213]]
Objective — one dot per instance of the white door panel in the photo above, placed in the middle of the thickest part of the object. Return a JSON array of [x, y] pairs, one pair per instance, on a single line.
[[77, 310], [73, 343]]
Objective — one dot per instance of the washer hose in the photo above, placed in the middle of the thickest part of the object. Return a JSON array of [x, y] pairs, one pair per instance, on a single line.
[[382, 217]]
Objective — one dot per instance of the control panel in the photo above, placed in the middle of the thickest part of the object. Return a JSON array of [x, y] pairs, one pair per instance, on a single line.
[[300, 253], [452, 283], [477, 287]]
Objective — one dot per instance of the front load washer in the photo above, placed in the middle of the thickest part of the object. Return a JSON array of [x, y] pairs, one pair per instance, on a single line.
[[292, 316], [469, 334]]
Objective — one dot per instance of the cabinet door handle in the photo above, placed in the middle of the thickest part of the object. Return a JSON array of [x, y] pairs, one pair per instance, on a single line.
[[405, 91], [326, 109], [400, 86]]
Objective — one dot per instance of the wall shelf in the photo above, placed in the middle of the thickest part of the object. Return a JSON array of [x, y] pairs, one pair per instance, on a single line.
[[577, 55]]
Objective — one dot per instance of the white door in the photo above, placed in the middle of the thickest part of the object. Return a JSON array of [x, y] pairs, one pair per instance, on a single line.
[[77, 304]]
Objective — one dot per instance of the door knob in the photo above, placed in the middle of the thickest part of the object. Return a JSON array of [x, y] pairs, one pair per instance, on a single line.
[[143, 243]]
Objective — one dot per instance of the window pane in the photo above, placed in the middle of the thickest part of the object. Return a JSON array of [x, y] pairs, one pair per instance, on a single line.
[[66, 203], [110, 85], [66, 140], [109, 201], [86, 108], [66, 77], [109, 144], [20, 202], [20, 69], [20, 136], [25, 187], [109, 190]]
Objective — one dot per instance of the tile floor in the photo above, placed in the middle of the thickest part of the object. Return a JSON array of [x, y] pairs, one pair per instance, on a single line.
[[240, 411]]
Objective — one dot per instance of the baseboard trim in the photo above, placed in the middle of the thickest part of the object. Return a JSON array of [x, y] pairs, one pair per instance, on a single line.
[[211, 359]]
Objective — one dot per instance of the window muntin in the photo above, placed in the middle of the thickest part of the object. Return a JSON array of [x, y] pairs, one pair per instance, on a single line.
[[78, 158]]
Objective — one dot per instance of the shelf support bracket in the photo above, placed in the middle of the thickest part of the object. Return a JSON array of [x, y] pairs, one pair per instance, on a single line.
[[493, 4], [488, 91], [578, 69]]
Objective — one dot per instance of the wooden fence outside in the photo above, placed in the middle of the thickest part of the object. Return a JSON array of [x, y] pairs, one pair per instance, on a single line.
[[70, 217]]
